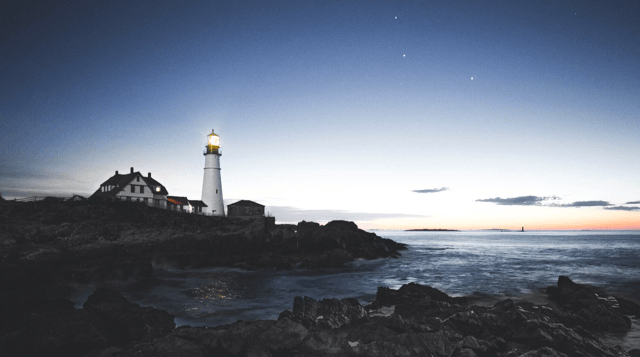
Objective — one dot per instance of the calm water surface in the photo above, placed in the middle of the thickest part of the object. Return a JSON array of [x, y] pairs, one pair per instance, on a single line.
[[487, 266]]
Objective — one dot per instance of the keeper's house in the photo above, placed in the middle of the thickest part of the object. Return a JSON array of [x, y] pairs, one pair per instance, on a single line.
[[245, 209], [133, 187]]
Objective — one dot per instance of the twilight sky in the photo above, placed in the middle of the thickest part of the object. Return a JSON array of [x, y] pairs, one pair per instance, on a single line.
[[393, 114]]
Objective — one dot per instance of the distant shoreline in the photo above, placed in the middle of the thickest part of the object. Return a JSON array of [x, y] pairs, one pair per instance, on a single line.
[[431, 230]]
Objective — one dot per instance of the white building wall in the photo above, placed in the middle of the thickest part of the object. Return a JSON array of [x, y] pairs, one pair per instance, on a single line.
[[136, 196], [212, 186]]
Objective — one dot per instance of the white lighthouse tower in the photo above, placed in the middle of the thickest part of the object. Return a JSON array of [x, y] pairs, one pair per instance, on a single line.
[[212, 183]]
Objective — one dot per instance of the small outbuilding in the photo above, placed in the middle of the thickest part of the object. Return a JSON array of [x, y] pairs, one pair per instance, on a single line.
[[197, 206], [76, 198], [178, 203], [245, 209]]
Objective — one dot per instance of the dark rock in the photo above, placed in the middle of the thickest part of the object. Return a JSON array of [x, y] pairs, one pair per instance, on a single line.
[[628, 307], [465, 352], [415, 293], [54, 331], [327, 313], [342, 225], [573, 295], [543, 352], [56, 328], [507, 329], [125, 321], [305, 307], [284, 335], [53, 243], [597, 310]]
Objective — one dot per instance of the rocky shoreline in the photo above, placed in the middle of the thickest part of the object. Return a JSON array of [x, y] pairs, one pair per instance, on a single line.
[[414, 320], [47, 244]]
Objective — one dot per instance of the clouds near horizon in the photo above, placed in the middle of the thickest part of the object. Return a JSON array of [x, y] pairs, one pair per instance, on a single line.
[[622, 208], [518, 201], [432, 190], [537, 201], [583, 204]]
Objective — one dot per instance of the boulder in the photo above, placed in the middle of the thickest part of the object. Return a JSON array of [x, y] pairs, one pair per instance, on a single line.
[[414, 293], [327, 313], [54, 331], [598, 310], [283, 335], [125, 321]]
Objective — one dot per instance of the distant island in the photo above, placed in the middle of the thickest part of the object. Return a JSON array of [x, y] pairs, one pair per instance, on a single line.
[[431, 230]]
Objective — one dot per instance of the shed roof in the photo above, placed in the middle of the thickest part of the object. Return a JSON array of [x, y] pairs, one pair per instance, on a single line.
[[196, 203], [245, 203], [178, 200]]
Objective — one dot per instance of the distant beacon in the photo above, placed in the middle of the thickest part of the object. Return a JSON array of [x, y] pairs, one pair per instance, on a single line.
[[212, 183]]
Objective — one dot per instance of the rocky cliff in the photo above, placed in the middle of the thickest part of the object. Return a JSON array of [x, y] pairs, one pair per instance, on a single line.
[[44, 244]]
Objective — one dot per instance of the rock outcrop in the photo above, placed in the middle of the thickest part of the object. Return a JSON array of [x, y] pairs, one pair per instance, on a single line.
[[56, 328], [414, 320], [593, 308], [45, 244]]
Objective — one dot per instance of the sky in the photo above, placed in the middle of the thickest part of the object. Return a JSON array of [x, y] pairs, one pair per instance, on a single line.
[[392, 114]]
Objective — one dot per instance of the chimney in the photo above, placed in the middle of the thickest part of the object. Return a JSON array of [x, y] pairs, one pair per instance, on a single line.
[[132, 170], [149, 174], [116, 172]]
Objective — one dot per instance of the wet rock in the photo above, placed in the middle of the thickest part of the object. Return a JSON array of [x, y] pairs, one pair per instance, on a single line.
[[327, 313], [634, 353], [465, 352], [628, 307], [284, 335], [507, 329], [125, 321], [414, 293], [543, 352], [597, 310], [54, 331], [56, 328]]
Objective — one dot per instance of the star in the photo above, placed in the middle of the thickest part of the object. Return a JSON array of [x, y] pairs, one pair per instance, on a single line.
[[396, 17], [471, 78], [404, 55]]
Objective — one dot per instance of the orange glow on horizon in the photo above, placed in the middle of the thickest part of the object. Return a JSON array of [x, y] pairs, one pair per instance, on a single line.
[[620, 221]]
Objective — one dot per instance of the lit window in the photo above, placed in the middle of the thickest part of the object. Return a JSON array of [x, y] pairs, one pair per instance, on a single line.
[[158, 189]]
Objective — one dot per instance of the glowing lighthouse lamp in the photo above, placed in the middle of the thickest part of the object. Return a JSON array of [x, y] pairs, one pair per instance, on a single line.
[[212, 183]]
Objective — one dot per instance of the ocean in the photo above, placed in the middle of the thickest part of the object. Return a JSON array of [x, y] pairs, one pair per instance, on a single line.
[[486, 266]]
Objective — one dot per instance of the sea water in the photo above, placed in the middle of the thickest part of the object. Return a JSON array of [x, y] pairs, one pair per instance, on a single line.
[[486, 266]]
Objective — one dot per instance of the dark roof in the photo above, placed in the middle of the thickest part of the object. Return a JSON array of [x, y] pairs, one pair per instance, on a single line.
[[245, 203], [195, 203], [177, 200], [151, 182], [121, 181]]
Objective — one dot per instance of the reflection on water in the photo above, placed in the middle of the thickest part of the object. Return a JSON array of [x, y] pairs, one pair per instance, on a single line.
[[486, 266], [212, 290]]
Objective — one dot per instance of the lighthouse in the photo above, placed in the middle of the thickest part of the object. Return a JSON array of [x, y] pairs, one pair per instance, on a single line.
[[212, 183]]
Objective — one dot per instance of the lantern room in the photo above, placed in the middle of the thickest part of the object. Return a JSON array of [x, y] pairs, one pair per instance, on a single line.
[[213, 144]]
